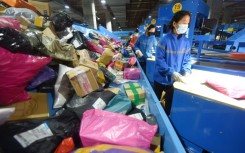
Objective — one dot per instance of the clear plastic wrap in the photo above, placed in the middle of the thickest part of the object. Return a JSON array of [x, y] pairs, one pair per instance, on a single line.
[[15, 13]]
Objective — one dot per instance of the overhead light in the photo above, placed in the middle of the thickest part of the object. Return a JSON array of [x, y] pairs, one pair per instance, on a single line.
[[98, 18], [67, 7], [235, 20], [103, 1], [149, 16], [119, 27], [114, 18]]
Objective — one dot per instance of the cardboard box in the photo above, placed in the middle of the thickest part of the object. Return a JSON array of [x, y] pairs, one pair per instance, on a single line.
[[42, 7], [135, 93], [24, 22], [156, 143], [114, 90], [37, 107], [90, 64], [82, 80]]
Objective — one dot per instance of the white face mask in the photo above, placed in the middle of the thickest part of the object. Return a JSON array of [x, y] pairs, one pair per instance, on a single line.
[[182, 28], [136, 34]]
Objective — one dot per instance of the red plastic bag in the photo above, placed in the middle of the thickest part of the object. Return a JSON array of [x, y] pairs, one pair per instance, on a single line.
[[94, 48], [66, 146], [102, 127], [11, 23], [233, 89], [16, 70]]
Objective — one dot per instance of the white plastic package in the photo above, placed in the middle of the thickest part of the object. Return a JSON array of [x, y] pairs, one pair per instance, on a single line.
[[5, 113], [62, 88]]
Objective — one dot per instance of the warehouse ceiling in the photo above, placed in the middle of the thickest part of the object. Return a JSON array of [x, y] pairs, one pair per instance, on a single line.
[[129, 14]]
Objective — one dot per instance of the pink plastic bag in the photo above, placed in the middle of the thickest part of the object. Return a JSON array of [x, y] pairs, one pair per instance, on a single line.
[[93, 47], [11, 23], [131, 73], [233, 89], [102, 127], [16, 70]]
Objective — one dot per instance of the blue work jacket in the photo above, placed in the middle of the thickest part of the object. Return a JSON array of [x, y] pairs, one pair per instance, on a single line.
[[173, 54], [146, 44]]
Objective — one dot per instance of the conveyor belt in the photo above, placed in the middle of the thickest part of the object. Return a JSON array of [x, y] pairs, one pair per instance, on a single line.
[[217, 55]]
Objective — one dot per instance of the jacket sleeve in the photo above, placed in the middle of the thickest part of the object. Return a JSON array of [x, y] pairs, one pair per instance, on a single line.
[[155, 44], [137, 44], [161, 63], [186, 66]]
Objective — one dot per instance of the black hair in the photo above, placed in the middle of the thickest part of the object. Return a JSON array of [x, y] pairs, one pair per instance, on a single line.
[[136, 31], [130, 33], [150, 27], [177, 17]]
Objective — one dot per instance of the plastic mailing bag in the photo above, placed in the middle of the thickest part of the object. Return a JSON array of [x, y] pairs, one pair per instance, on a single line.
[[15, 13], [93, 47], [5, 113], [42, 136], [99, 127], [131, 74], [233, 89], [63, 88], [106, 148], [97, 100], [66, 146], [16, 70], [11, 23], [61, 21], [44, 75], [79, 41], [119, 104], [59, 50], [15, 41], [35, 39]]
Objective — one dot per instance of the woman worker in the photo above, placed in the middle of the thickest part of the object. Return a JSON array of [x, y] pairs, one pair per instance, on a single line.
[[145, 45], [172, 58]]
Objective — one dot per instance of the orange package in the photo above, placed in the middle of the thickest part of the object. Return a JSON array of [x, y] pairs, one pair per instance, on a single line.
[[66, 146], [20, 4]]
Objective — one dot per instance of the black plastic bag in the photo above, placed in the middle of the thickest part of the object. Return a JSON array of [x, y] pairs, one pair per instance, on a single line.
[[15, 41], [79, 41], [63, 126], [80, 105], [61, 21], [136, 111]]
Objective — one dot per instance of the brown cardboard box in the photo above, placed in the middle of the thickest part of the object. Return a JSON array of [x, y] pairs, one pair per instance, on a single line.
[[90, 64], [37, 107], [24, 21], [81, 54], [42, 7], [114, 90], [82, 80], [135, 93], [156, 144]]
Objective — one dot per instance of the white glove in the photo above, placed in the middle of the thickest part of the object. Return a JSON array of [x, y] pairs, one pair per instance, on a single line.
[[138, 53], [177, 77]]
